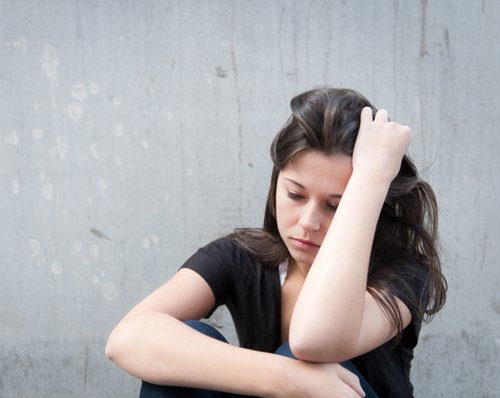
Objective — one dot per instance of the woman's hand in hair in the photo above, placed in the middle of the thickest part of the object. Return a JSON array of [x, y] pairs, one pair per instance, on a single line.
[[380, 145]]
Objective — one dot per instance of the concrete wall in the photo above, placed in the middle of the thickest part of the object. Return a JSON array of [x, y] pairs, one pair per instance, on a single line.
[[133, 132]]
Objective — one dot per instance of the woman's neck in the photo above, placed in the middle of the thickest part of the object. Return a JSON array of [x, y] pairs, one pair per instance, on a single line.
[[297, 270]]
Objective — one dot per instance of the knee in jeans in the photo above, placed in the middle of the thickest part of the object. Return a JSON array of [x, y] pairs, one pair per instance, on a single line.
[[206, 329]]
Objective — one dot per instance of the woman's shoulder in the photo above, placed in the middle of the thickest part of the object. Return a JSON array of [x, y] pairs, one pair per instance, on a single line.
[[228, 252], [225, 247]]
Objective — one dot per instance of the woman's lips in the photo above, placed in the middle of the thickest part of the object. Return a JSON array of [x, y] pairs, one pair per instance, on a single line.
[[304, 244]]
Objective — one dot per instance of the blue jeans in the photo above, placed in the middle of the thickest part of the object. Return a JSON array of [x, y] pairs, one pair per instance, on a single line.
[[149, 390]]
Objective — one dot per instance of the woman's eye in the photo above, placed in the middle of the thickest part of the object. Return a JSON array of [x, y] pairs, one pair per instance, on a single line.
[[333, 207], [294, 196]]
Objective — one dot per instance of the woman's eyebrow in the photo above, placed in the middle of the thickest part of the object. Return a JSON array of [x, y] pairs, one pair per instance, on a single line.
[[295, 182], [303, 187]]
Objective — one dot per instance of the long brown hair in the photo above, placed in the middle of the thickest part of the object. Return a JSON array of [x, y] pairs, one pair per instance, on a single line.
[[327, 120]]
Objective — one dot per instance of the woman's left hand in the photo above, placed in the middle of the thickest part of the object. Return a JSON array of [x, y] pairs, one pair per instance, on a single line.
[[380, 145]]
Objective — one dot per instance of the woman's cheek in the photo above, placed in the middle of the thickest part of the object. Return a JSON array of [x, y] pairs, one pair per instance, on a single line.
[[286, 210]]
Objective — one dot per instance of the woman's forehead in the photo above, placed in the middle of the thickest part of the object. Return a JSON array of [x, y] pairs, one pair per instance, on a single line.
[[314, 170], [310, 159]]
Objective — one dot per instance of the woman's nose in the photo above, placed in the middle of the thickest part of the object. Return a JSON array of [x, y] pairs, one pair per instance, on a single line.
[[309, 219]]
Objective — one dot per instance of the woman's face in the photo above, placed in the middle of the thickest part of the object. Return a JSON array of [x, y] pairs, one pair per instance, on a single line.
[[307, 195]]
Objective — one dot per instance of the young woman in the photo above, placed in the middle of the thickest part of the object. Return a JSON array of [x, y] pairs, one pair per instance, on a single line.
[[345, 268]]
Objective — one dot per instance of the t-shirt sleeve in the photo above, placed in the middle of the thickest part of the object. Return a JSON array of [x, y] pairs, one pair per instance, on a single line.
[[407, 282], [213, 263]]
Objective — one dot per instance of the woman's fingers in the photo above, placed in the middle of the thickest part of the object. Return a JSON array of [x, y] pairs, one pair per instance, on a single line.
[[323, 380], [366, 115], [380, 144], [351, 380], [382, 116]]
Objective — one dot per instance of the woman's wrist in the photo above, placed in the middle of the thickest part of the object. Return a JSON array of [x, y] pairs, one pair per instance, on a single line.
[[369, 185], [373, 177], [274, 384]]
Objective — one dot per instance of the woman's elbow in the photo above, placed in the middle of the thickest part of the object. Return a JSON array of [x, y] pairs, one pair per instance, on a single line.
[[117, 341], [110, 349], [304, 352], [307, 349], [320, 350]]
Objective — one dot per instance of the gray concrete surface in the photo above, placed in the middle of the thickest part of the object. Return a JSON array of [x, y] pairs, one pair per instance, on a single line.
[[133, 132]]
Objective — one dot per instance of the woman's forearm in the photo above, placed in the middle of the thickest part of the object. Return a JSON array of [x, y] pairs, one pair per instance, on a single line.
[[157, 348], [328, 315], [161, 350], [335, 318]]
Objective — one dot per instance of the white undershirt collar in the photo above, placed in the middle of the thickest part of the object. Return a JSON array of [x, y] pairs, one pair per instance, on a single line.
[[283, 270]]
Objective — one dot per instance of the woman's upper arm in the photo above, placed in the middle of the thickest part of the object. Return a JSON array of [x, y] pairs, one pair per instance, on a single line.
[[376, 328], [187, 296]]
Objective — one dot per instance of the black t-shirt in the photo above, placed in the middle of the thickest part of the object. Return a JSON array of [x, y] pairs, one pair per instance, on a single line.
[[252, 293]]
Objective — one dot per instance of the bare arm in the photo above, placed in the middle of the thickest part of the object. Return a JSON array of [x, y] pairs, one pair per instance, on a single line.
[[335, 319], [153, 344]]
